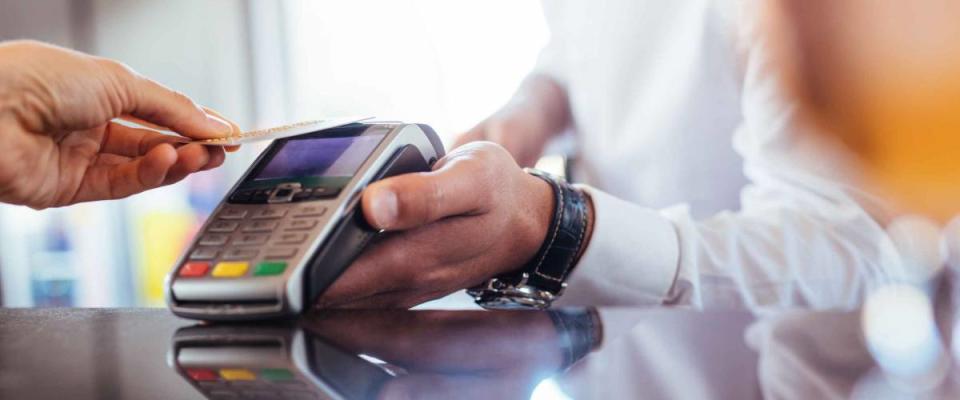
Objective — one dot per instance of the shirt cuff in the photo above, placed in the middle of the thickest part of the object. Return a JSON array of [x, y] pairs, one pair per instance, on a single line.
[[632, 257]]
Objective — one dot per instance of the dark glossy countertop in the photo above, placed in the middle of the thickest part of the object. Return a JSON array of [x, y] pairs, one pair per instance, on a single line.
[[613, 353]]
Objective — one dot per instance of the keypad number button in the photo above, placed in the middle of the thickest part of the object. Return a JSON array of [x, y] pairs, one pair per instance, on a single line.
[[260, 226], [301, 224], [213, 239], [239, 254], [251, 240], [232, 213], [291, 238], [223, 226], [270, 213], [311, 210], [280, 253], [203, 253]]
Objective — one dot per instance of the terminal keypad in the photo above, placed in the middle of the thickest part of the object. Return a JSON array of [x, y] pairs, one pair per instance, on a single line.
[[241, 242]]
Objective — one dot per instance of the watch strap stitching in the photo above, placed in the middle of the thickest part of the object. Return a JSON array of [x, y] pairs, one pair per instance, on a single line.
[[558, 218], [583, 230]]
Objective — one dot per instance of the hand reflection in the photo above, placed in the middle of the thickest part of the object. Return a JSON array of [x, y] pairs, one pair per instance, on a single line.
[[467, 354]]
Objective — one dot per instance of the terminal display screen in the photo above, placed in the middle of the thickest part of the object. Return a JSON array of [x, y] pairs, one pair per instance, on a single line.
[[319, 157], [328, 160]]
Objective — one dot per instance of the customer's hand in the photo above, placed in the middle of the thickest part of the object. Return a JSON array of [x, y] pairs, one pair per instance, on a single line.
[[58, 140], [475, 216]]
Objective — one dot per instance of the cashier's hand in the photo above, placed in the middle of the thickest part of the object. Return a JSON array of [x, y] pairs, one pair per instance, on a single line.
[[60, 144], [475, 216]]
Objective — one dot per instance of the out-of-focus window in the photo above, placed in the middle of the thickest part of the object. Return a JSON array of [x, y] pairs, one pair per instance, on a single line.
[[445, 63]]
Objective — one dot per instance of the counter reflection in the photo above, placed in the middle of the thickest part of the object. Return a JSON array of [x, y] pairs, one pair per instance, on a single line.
[[385, 354], [893, 348]]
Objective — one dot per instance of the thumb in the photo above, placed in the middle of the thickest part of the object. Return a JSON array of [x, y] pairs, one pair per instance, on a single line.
[[458, 186]]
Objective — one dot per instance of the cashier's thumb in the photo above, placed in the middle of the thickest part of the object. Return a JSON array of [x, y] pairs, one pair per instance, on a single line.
[[380, 206], [412, 200]]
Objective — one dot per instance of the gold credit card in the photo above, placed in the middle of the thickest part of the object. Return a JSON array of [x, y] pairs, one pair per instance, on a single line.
[[278, 132]]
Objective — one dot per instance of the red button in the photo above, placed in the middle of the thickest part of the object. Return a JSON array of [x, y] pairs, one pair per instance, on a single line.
[[199, 374], [194, 269]]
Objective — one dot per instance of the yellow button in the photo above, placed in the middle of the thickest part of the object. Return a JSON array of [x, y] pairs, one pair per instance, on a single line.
[[237, 374], [230, 269]]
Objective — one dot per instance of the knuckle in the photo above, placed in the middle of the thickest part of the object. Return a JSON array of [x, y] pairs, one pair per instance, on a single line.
[[434, 279], [120, 78], [491, 153], [117, 68], [182, 98]]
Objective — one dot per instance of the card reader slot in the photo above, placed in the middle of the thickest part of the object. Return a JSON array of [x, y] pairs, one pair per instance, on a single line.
[[353, 233]]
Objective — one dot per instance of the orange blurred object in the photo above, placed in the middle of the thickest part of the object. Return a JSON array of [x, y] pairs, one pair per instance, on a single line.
[[883, 75]]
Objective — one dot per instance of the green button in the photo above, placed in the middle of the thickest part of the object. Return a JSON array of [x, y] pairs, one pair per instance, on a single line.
[[270, 268], [276, 374]]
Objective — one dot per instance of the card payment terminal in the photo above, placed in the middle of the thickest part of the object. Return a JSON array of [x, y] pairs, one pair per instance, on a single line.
[[293, 222]]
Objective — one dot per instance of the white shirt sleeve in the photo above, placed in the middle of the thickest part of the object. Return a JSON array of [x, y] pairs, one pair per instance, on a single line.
[[804, 236], [775, 252]]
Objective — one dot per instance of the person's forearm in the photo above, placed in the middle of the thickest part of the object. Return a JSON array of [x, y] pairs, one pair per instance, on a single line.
[[542, 101], [537, 112]]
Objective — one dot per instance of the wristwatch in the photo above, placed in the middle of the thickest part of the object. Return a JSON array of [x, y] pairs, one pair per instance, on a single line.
[[541, 281]]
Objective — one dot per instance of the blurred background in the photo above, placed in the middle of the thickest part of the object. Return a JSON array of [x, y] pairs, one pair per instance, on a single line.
[[448, 64]]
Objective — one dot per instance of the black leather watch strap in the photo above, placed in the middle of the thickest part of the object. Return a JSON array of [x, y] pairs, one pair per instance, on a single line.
[[556, 256], [541, 281], [550, 267]]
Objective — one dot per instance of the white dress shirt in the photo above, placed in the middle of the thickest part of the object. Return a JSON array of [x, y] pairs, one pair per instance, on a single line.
[[674, 103]]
